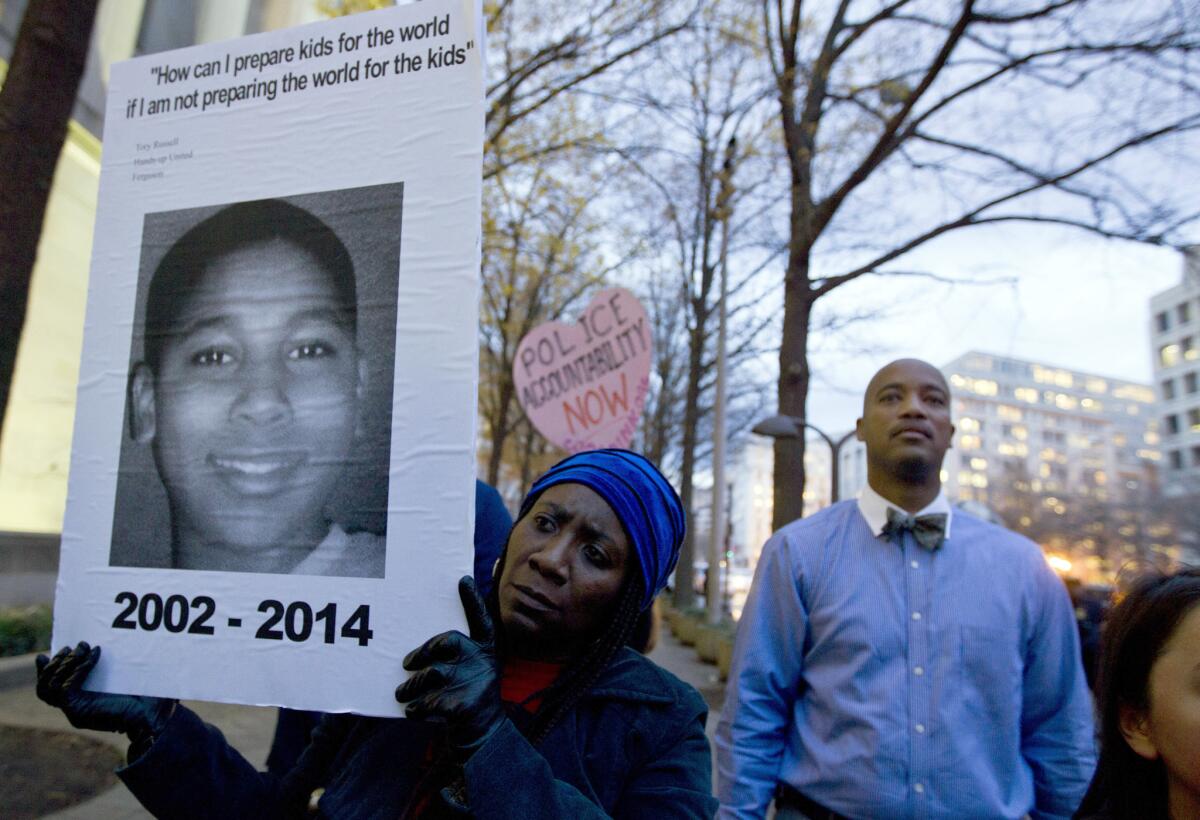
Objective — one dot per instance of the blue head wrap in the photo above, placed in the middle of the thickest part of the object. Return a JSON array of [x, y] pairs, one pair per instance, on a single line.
[[644, 501]]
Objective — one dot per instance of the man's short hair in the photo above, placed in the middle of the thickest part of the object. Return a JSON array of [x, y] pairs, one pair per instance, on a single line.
[[229, 229]]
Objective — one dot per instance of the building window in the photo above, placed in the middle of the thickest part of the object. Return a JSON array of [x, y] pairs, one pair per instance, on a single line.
[[1171, 422], [1189, 382], [1175, 459], [1184, 312], [1187, 346], [1168, 389], [1194, 418], [1196, 455], [1168, 355], [1134, 392], [1162, 321]]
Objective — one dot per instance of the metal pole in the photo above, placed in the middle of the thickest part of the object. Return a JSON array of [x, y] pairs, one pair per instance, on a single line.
[[835, 448], [834, 491], [716, 549], [837, 457], [725, 607]]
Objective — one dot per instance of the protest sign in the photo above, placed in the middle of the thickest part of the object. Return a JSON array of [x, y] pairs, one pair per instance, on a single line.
[[272, 475], [584, 386]]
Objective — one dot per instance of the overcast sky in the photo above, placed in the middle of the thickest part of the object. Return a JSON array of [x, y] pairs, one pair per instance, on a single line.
[[1077, 301]]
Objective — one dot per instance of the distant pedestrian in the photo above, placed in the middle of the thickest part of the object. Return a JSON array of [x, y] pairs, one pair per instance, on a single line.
[[1089, 606], [897, 658], [1148, 700]]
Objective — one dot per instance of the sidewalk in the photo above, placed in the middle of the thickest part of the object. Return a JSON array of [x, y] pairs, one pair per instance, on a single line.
[[249, 728]]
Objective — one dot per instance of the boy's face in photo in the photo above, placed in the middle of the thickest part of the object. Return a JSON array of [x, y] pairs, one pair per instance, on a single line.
[[255, 404]]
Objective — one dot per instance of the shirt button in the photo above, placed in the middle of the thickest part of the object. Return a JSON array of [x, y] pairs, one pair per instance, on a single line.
[[918, 671], [914, 565], [919, 788], [916, 616], [920, 727]]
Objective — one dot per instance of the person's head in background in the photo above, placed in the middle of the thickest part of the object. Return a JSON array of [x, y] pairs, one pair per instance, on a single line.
[[250, 385], [1148, 701]]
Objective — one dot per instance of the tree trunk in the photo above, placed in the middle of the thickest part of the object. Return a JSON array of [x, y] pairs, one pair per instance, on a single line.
[[35, 107], [500, 428], [793, 390], [685, 569], [532, 448]]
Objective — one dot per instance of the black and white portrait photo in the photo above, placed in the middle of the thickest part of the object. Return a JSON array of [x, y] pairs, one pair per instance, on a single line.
[[259, 394]]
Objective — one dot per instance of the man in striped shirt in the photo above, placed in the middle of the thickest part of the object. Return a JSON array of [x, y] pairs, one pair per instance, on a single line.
[[897, 658]]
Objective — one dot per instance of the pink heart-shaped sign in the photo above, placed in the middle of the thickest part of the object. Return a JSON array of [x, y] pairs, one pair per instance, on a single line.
[[584, 386]]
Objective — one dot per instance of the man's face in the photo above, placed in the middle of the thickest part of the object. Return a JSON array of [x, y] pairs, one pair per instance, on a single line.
[[565, 563], [906, 420], [254, 407]]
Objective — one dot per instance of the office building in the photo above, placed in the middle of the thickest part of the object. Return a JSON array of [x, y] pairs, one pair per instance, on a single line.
[[1070, 459], [1175, 346]]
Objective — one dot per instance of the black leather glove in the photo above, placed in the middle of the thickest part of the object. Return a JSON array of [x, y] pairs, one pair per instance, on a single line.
[[457, 678], [60, 683]]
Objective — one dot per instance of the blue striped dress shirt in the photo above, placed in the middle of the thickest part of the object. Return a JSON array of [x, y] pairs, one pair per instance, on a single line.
[[885, 681]]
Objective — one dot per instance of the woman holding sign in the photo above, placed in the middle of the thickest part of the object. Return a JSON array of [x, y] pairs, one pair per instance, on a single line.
[[547, 713]]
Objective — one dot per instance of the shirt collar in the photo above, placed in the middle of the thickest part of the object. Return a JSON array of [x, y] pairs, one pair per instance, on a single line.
[[323, 558], [874, 507]]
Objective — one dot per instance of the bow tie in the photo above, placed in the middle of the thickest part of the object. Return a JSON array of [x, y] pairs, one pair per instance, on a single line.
[[929, 530]]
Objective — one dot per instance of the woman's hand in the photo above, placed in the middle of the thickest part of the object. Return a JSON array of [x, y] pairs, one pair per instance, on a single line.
[[457, 677], [60, 683]]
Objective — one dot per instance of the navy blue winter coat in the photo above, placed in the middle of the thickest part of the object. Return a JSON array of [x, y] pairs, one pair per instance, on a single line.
[[633, 747]]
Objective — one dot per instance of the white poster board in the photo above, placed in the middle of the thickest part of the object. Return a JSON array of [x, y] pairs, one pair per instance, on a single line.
[[272, 475]]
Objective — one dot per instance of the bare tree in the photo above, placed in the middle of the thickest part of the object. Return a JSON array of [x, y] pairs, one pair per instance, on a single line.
[[1085, 522], [542, 256], [705, 104], [546, 164], [35, 107], [902, 121], [544, 54]]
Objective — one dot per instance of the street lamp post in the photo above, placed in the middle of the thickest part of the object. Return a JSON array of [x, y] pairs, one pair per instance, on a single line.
[[782, 426], [716, 546]]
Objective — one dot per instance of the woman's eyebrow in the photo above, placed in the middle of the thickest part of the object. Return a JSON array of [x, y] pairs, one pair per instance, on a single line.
[[557, 510], [593, 533], [589, 530]]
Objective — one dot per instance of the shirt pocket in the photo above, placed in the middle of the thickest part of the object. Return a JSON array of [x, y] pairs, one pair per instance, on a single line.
[[990, 668]]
